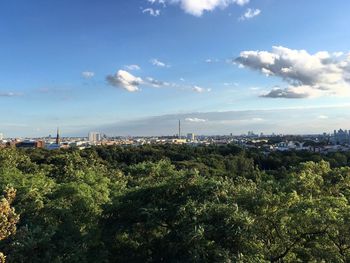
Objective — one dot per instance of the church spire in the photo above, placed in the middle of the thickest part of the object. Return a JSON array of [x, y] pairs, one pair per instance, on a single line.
[[58, 136]]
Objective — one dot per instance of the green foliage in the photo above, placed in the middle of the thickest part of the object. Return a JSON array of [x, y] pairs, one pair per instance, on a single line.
[[8, 217], [174, 204], [182, 218]]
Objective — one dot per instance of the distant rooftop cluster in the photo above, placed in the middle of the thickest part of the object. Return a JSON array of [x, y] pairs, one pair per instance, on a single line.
[[322, 143]]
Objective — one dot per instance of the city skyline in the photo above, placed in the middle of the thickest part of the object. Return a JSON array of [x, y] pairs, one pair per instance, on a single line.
[[240, 123], [136, 67]]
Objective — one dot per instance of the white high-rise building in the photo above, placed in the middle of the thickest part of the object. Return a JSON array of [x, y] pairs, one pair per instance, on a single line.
[[190, 137], [94, 136], [1, 136]]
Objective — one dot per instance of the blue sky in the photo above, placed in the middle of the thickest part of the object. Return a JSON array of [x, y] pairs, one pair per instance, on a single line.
[[116, 66]]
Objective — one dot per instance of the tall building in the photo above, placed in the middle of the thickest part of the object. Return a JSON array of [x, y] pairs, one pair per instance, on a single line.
[[95, 136], [190, 137], [1, 136], [341, 137]]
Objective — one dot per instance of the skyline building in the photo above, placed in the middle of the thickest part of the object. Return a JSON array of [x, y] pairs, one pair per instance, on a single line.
[[191, 137], [94, 136], [57, 144], [341, 137]]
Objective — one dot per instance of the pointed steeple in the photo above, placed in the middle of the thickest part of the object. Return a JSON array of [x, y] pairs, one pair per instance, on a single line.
[[58, 136]]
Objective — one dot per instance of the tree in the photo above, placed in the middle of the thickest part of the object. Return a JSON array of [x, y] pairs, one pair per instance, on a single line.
[[176, 216], [8, 216]]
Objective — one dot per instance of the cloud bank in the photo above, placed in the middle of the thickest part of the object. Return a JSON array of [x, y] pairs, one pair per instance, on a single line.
[[195, 120], [306, 75], [303, 120]]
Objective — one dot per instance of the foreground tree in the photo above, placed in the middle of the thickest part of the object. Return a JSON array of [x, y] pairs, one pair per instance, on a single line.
[[8, 217]]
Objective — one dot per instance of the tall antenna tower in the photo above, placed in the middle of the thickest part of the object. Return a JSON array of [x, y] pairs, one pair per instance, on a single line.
[[179, 129]]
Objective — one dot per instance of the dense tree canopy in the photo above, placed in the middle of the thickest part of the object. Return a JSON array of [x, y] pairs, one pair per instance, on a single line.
[[8, 217], [174, 204]]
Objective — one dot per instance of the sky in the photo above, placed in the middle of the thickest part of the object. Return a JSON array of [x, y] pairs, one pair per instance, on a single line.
[[134, 67]]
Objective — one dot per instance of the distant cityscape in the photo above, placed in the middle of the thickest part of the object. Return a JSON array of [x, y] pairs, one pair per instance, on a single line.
[[338, 140]]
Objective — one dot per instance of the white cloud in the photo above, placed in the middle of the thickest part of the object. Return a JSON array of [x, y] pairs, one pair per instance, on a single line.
[[267, 72], [157, 2], [212, 60], [291, 92], [195, 120], [231, 84], [338, 54], [10, 94], [88, 74], [200, 89], [156, 83], [133, 67], [156, 62], [242, 2], [307, 75], [198, 7], [125, 80], [254, 88], [322, 117], [257, 119], [250, 13], [151, 11]]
